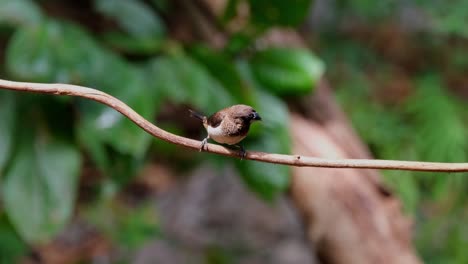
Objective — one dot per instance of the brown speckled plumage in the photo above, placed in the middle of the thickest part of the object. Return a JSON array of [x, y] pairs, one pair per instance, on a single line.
[[229, 125], [237, 122]]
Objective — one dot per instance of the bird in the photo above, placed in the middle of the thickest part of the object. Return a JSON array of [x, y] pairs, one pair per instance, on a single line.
[[229, 125]]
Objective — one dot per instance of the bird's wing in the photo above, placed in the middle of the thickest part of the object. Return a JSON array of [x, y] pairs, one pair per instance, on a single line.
[[215, 120]]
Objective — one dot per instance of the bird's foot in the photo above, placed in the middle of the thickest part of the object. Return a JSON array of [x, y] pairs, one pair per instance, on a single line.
[[204, 141], [242, 152]]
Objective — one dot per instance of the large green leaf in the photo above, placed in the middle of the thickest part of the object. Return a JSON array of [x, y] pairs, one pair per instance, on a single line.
[[40, 186], [19, 12], [183, 80], [62, 52], [239, 43], [268, 180], [12, 248], [270, 135], [222, 68], [143, 29], [106, 124], [7, 126], [134, 16], [125, 43], [52, 51], [287, 71], [279, 12]]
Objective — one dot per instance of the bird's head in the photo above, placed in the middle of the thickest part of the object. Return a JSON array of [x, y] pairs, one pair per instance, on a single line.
[[246, 113]]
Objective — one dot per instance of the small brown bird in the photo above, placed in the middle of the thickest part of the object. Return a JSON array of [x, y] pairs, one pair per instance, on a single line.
[[229, 125]]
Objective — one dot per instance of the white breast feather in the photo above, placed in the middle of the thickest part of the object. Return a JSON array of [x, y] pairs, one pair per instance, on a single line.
[[219, 136]]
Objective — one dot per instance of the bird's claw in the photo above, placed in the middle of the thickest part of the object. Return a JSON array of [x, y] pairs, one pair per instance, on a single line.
[[242, 152], [204, 141]]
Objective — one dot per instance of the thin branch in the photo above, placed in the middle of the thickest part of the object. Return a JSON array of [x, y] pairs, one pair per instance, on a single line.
[[293, 160]]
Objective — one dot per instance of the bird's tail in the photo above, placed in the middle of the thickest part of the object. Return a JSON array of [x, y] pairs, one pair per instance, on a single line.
[[197, 115]]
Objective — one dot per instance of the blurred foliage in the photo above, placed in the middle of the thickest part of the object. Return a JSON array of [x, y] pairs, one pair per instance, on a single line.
[[130, 226], [403, 89], [124, 49], [40, 185], [398, 68], [277, 12], [280, 68], [21, 12], [11, 245], [144, 32], [447, 19], [7, 126]]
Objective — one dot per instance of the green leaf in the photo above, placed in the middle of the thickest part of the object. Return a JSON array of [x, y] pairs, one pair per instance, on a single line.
[[105, 124], [129, 44], [91, 141], [239, 42], [271, 135], [19, 12], [221, 68], [52, 51], [62, 52], [12, 248], [279, 12], [287, 71], [162, 6], [128, 226], [230, 11], [7, 125], [134, 16], [370, 10], [56, 51], [136, 226], [268, 180], [439, 122], [40, 185], [406, 186], [440, 133], [143, 29], [28, 54], [183, 80]]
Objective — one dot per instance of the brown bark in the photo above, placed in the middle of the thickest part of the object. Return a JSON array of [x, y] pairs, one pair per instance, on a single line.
[[350, 216]]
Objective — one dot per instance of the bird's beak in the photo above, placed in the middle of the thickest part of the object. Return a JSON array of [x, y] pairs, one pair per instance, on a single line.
[[256, 117]]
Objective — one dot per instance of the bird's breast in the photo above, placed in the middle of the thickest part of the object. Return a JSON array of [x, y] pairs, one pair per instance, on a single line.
[[219, 135]]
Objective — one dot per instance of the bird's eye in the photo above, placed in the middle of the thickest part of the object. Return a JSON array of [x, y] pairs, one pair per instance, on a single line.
[[251, 115]]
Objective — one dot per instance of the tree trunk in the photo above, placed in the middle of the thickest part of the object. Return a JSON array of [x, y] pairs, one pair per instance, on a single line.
[[350, 216]]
